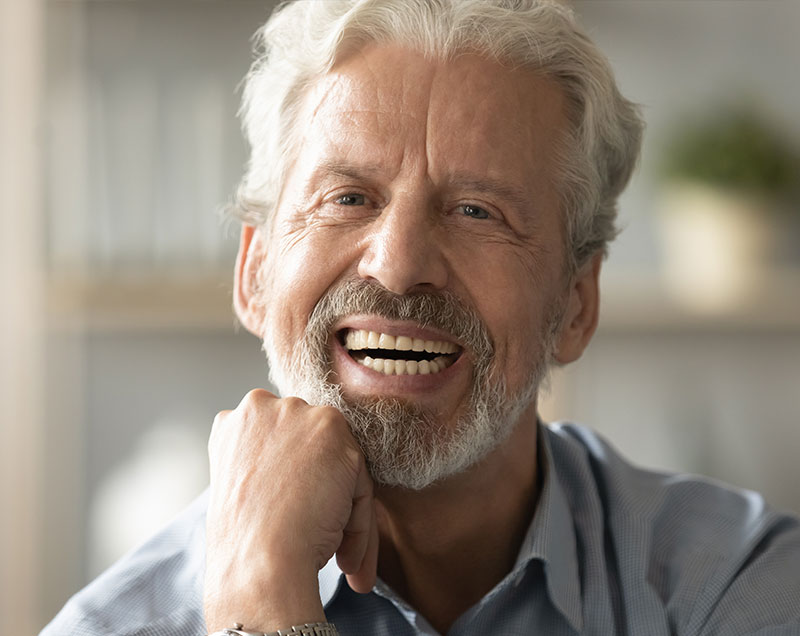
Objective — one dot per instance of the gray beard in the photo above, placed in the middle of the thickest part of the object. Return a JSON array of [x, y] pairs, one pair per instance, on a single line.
[[404, 444]]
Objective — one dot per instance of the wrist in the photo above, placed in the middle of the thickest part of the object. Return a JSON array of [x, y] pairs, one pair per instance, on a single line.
[[282, 598]]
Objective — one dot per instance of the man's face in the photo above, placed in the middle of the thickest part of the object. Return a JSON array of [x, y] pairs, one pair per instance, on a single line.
[[427, 181]]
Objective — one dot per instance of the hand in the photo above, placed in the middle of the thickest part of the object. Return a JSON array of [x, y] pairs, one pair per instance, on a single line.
[[289, 489]]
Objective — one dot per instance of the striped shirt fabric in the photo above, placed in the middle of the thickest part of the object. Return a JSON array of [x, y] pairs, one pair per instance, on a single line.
[[612, 549]]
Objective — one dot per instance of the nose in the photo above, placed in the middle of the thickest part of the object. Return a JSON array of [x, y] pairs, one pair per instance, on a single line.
[[404, 252]]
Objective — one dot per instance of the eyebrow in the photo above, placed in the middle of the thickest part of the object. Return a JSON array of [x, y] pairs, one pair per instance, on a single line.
[[350, 171], [515, 196], [486, 185]]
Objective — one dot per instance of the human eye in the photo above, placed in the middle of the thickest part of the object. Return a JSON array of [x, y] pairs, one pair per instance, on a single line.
[[347, 204], [474, 211], [351, 199]]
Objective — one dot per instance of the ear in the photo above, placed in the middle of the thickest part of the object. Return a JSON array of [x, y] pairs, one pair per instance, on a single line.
[[247, 300], [580, 318]]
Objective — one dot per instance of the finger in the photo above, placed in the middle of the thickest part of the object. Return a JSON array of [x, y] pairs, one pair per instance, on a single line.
[[356, 535], [363, 580], [215, 426]]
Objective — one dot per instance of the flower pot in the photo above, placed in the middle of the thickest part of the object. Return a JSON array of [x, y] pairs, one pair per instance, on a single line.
[[717, 245]]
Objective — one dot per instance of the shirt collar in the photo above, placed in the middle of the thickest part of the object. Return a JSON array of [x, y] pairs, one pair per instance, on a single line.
[[550, 538]]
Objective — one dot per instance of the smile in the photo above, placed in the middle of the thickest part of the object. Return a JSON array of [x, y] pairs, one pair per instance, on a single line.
[[399, 355]]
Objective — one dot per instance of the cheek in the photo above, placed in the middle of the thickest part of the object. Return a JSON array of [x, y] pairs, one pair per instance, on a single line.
[[514, 306], [301, 272], [515, 328]]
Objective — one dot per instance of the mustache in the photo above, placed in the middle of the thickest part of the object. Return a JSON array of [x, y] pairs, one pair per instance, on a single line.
[[442, 310]]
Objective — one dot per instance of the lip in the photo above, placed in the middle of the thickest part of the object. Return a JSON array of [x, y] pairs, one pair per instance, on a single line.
[[358, 379], [394, 328]]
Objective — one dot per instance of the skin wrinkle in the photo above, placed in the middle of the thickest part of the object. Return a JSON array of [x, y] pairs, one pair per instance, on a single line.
[[339, 82], [370, 138], [486, 184], [428, 125], [360, 173], [458, 183], [313, 95], [289, 164]]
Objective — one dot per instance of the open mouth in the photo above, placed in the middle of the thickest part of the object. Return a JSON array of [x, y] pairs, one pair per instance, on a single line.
[[398, 355]]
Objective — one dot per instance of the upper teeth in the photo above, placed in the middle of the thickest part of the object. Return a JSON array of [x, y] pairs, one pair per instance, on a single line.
[[362, 339]]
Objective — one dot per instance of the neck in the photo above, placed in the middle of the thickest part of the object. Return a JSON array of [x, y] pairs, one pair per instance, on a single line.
[[445, 547]]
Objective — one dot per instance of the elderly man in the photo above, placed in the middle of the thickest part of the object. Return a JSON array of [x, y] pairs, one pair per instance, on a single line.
[[430, 194]]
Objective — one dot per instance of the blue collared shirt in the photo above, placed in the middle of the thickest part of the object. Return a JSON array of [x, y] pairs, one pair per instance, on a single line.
[[612, 549]]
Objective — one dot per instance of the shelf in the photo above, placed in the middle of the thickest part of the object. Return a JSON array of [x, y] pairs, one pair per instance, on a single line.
[[642, 301], [631, 301], [142, 303]]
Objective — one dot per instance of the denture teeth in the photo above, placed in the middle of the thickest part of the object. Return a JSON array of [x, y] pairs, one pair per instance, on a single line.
[[357, 339], [387, 366], [385, 341]]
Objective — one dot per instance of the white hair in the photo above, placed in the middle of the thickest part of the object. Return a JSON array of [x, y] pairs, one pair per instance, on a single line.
[[304, 39]]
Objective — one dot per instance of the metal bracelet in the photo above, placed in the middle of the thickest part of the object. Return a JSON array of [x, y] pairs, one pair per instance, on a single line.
[[306, 629]]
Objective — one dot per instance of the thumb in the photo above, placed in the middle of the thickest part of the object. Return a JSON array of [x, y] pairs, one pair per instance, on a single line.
[[363, 579], [357, 553]]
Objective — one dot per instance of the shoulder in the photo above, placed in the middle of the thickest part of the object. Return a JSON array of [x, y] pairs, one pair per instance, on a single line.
[[155, 590], [717, 559]]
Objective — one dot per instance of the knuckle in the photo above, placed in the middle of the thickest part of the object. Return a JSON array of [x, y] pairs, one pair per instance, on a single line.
[[293, 403], [329, 415], [290, 407], [219, 418], [256, 396], [330, 427]]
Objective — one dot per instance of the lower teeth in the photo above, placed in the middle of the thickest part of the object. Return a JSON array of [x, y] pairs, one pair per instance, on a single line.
[[405, 367]]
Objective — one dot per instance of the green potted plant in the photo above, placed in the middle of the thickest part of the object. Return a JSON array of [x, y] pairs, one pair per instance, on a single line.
[[728, 180], [733, 150]]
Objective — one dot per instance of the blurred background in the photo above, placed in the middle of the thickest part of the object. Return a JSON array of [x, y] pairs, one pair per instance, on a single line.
[[118, 147]]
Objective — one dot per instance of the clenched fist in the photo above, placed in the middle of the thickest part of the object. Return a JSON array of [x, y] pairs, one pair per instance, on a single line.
[[289, 489]]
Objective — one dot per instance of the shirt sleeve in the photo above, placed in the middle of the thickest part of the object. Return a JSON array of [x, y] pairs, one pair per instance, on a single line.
[[763, 599], [155, 590]]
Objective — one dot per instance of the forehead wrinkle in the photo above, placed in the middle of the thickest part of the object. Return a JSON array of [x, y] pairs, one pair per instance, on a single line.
[[366, 111], [335, 90], [319, 94], [348, 144], [429, 118]]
